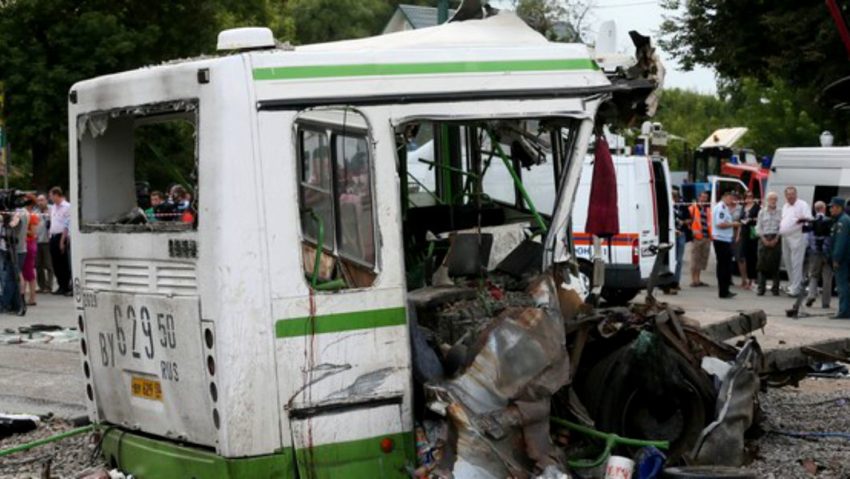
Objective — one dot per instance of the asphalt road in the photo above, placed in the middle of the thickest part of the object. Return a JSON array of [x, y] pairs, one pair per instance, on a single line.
[[42, 377]]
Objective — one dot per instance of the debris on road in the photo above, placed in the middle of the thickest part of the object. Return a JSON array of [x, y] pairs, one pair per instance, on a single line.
[[65, 458], [502, 366], [40, 333], [17, 424]]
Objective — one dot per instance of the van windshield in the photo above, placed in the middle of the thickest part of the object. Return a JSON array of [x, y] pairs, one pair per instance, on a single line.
[[138, 168]]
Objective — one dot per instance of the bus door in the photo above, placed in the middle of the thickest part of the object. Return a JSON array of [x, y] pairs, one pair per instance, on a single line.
[[341, 337]]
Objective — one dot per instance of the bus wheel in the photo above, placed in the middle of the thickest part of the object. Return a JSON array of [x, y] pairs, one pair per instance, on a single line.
[[619, 296]]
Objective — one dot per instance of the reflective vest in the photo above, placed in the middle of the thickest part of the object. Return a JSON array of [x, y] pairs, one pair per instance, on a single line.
[[696, 221]]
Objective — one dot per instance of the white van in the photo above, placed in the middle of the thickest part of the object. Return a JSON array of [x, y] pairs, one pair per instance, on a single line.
[[646, 221], [819, 173]]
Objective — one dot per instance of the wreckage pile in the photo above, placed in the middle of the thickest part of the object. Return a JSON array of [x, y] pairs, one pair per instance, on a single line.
[[535, 383], [64, 458]]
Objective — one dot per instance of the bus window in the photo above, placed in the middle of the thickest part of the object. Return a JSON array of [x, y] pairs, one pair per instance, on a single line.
[[316, 187], [335, 191], [138, 169]]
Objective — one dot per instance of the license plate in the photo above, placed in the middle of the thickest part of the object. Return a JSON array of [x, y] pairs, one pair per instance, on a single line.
[[146, 388]]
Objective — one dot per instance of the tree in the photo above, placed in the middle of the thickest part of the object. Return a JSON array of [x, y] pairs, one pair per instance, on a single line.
[[559, 20], [48, 45], [794, 40], [774, 116]]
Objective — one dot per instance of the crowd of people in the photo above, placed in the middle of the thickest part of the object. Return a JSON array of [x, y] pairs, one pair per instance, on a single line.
[[35, 250], [813, 245], [174, 206]]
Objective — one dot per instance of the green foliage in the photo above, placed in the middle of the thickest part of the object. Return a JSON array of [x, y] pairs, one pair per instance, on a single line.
[[557, 20], [762, 41], [774, 116], [692, 116], [48, 45]]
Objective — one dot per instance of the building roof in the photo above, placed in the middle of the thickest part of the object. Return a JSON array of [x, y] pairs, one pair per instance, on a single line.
[[421, 17]]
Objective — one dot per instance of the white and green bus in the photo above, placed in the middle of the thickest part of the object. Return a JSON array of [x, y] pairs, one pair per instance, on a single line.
[[267, 334]]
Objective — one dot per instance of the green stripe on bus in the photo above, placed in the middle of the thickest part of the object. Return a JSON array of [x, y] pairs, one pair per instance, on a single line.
[[361, 458], [389, 69], [341, 322]]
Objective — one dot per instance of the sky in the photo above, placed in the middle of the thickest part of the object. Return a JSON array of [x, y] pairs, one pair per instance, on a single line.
[[645, 16]]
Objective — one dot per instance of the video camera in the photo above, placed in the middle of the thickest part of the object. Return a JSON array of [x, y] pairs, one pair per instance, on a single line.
[[10, 200]]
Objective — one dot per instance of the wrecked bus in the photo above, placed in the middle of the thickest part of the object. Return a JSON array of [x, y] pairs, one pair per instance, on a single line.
[[268, 335]]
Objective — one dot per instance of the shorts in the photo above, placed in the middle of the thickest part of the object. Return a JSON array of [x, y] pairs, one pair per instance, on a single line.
[[700, 250]]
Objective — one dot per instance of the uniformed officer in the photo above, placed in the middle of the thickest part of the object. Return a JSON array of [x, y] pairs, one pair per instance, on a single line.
[[723, 234], [841, 255]]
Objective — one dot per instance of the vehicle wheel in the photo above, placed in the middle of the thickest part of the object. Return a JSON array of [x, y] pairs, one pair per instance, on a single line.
[[707, 472], [619, 296], [671, 400]]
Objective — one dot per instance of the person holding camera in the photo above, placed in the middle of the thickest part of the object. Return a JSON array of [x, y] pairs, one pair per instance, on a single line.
[[818, 263], [13, 233]]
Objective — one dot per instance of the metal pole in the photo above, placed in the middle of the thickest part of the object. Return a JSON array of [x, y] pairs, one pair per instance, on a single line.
[[48, 440], [442, 11]]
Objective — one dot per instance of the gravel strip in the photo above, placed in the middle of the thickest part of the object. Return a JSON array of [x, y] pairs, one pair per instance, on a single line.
[[66, 458], [819, 405]]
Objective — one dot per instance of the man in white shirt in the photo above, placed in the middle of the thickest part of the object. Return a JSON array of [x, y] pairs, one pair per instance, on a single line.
[[60, 223], [795, 213]]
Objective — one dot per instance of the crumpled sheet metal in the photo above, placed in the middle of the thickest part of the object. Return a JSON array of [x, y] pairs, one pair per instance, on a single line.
[[500, 403], [722, 441]]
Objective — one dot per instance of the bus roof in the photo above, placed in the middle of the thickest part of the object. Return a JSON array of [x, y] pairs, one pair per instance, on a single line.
[[497, 57]]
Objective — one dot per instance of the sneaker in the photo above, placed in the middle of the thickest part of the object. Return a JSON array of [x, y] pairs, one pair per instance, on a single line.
[[810, 302]]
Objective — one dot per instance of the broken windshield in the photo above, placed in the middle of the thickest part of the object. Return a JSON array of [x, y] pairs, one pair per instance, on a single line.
[[495, 180]]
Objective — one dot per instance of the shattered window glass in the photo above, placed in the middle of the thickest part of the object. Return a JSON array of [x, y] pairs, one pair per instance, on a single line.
[[138, 168], [335, 191]]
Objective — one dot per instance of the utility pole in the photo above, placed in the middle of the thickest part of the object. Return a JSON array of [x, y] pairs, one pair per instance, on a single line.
[[442, 11]]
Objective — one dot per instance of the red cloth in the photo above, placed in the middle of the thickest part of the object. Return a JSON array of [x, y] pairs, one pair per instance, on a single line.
[[603, 217]]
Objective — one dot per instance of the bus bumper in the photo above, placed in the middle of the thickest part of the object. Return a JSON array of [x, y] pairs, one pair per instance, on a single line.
[[147, 458]]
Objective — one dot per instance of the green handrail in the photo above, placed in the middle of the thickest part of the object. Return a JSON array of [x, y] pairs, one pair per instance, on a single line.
[[499, 151], [611, 440], [46, 440], [320, 243]]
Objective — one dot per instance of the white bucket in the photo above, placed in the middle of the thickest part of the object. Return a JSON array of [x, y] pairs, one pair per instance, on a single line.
[[619, 467]]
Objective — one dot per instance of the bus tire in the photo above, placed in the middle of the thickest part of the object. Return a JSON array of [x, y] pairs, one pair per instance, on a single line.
[[619, 296]]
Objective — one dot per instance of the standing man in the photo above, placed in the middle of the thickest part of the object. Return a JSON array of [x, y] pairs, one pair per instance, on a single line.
[[819, 256], [700, 213], [769, 246], [60, 223], [683, 235], [723, 235], [43, 263], [795, 213], [841, 255]]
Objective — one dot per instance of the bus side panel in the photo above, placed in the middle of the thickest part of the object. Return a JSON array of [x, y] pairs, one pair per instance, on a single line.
[[233, 256], [336, 350]]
